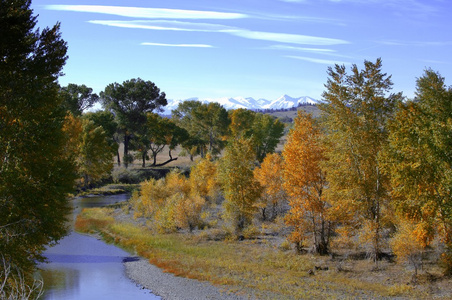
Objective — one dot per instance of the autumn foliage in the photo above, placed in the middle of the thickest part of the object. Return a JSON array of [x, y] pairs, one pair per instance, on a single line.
[[304, 182]]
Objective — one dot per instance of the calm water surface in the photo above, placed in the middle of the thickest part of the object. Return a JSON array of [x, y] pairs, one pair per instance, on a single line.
[[82, 267]]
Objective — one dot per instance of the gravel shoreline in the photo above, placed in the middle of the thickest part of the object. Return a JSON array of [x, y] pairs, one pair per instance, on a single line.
[[170, 287]]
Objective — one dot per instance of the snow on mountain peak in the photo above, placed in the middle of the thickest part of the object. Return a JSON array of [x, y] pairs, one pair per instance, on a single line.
[[283, 102]]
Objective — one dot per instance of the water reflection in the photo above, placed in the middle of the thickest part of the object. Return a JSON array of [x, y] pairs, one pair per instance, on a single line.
[[83, 267]]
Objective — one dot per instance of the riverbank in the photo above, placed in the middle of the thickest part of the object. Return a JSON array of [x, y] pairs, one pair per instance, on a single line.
[[168, 286], [253, 268]]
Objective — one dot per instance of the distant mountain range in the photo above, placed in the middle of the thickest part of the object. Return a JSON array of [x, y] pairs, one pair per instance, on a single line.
[[282, 102]]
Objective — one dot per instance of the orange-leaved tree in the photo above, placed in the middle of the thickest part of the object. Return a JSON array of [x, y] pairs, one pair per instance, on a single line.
[[270, 177], [305, 181]]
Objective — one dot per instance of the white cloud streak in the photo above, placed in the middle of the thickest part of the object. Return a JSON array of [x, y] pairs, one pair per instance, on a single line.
[[292, 48], [248, 34], [148, 13], [178, 45], [287, 38], [164, 25], [318, 61], [415, 43]]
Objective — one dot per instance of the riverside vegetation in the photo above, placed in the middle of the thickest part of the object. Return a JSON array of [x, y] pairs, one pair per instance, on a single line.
[[359, 193], [354, 206]]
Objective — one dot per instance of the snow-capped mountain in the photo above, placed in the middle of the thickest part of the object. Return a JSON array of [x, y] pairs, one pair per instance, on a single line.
[[282, 102], [285, 102]]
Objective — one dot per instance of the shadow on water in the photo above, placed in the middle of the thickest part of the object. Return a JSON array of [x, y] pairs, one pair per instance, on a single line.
[[83, 267]]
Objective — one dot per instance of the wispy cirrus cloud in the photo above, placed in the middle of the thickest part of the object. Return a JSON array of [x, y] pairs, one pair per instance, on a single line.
[[164, 25], [287, 38], [415, 43], [303, 49], [248, 34], [402, 5], [148, 13], [178, 45], [318, 60]]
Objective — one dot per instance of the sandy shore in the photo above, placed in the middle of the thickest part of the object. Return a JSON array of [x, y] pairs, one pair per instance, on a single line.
[[171, 287]]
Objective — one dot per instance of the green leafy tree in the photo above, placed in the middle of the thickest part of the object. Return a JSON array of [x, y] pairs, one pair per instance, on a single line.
[[129, 102], [267, 134], [95, 160], [106, 120], [264, 131], [421, 160], [155, 135], [36, 173], [241, 190], [77, 98], [207, 125], [357, 108]]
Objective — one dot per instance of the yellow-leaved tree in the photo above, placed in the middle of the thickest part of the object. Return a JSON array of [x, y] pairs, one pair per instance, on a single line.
[[420, 161], [241, 190], [357, 107], [169, 203], [270, 177], [304, 182], [204, 179], [88, 145]]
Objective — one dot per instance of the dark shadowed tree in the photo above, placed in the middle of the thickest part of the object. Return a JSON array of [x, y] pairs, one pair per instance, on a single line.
[[129, 102], [77, 98], [157, 133], [106, 119], [36, 173]]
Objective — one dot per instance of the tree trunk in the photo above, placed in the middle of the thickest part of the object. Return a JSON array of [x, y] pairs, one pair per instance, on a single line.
[[143, 157], [126, 150], [118, 158]]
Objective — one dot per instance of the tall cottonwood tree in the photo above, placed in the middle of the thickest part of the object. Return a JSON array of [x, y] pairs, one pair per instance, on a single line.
[[305, 183], [241, 190], [357, 108], [421, 159], [36, 173], [129, 102], [207, 125]]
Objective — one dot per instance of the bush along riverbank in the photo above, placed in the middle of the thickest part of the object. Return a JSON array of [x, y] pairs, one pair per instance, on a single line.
[[258, 267]]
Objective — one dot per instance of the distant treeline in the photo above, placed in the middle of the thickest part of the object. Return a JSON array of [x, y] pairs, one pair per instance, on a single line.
[[293, 108]]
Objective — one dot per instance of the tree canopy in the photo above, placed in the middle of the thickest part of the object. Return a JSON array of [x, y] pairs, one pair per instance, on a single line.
[[357, 108], [207, 125], [421, 159], [77, 98], [36, 173], [129, 102]]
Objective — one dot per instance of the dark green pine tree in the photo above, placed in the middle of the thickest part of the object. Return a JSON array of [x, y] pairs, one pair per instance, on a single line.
[[35, 172]]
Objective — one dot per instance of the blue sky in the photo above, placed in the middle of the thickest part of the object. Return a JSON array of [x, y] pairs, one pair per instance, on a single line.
[[249, 48]]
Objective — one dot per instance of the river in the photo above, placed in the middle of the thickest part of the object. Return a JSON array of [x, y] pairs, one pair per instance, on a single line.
[[83, 267]]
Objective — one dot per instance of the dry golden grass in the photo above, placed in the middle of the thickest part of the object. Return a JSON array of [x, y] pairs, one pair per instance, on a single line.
[[257, 267]]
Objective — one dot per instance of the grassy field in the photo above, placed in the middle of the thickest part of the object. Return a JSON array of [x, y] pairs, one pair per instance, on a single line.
[[259, 266]]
